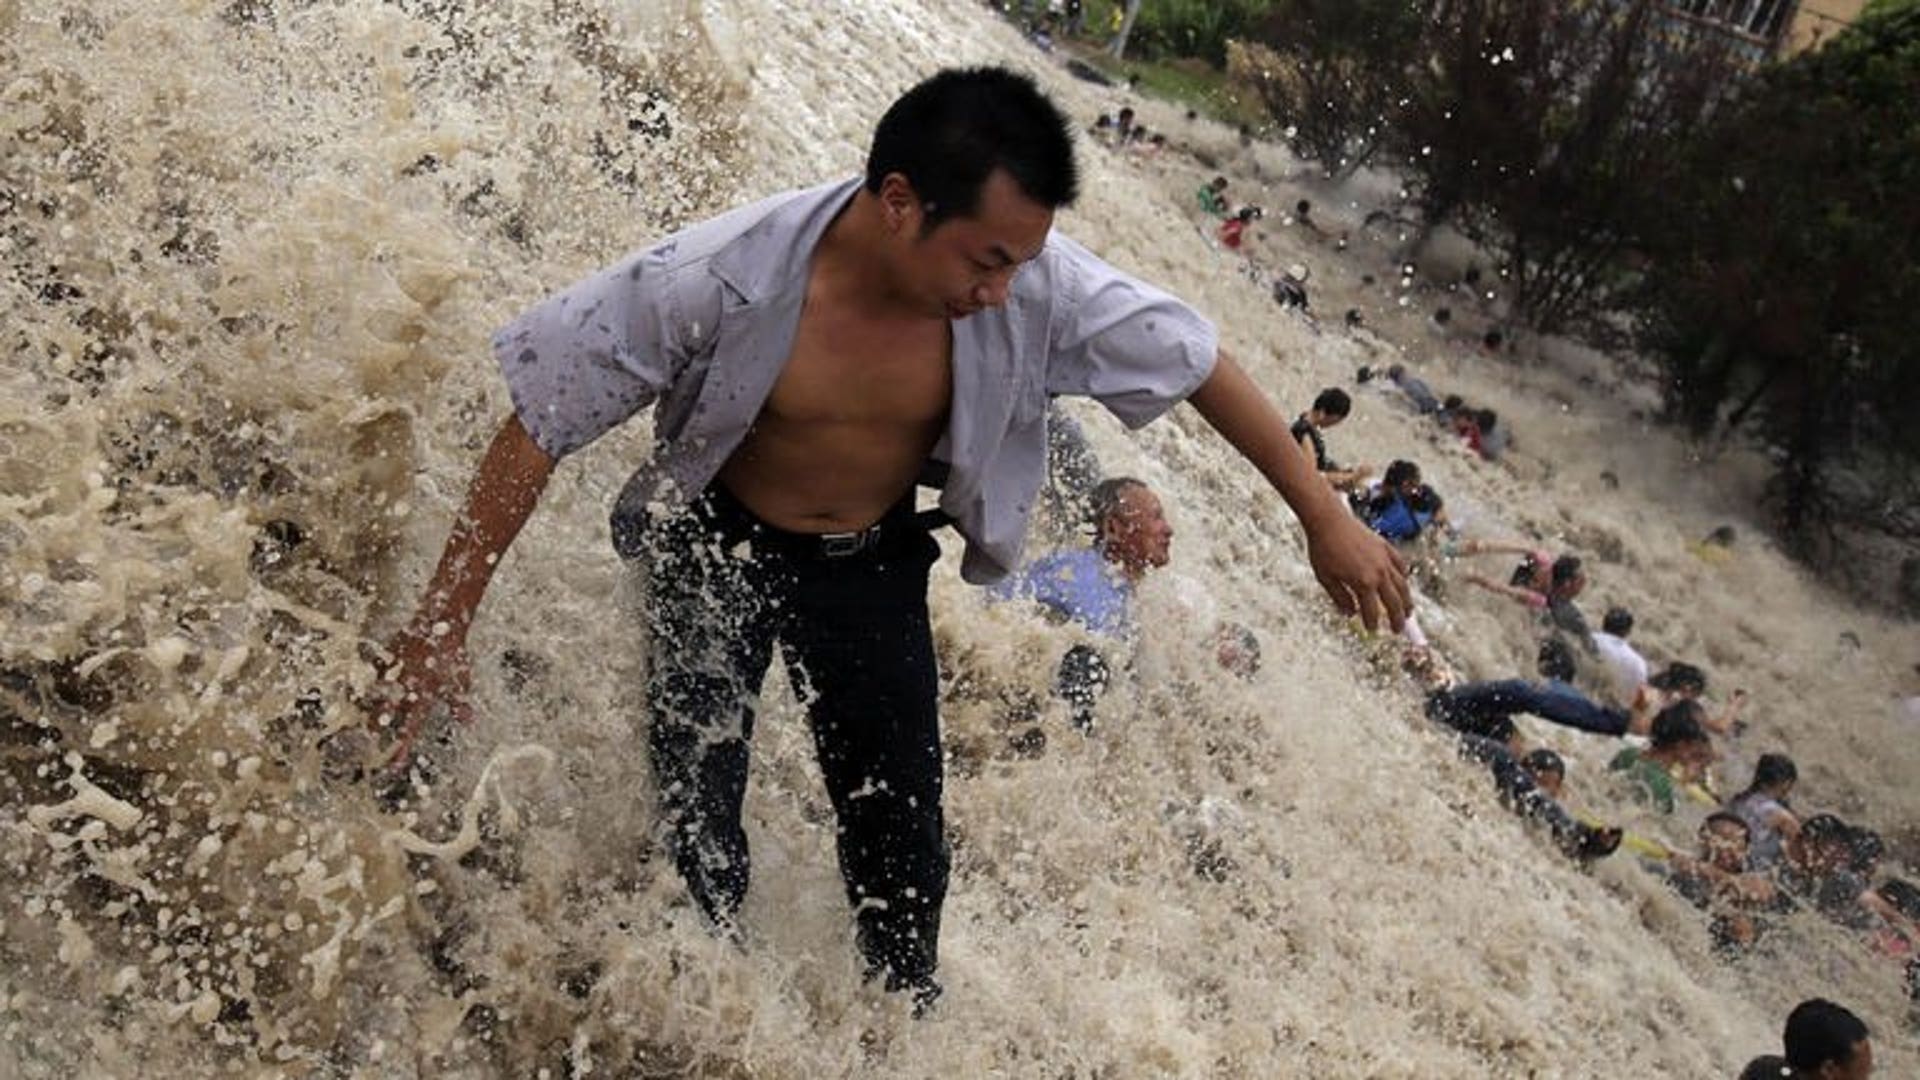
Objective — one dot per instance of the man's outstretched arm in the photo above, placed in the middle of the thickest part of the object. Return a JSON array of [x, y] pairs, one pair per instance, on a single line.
[[428, 658], [1361, 571]]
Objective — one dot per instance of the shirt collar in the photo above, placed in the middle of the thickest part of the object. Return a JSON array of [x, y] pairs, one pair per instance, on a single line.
[[772, 256]]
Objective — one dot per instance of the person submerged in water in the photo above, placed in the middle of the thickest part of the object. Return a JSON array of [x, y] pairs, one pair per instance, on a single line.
[[809, 358], [1678, 753], [1401, 507], [1094, 587]]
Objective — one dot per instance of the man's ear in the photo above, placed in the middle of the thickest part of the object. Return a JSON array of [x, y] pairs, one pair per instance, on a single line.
[[899, 203]]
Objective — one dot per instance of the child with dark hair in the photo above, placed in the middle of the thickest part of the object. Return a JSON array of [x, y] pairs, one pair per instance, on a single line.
[[1213, 197], [1763, 806], [1233, 230], [1679, 753], [1329, 410], [1402, 507]]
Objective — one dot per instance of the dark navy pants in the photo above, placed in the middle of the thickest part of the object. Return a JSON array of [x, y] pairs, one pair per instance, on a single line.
[[726, 590]]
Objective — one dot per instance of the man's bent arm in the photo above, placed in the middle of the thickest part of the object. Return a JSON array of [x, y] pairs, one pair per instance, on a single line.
[[1359, 570]]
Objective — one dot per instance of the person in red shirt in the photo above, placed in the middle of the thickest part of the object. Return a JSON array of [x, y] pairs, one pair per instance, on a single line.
[[1233, 230]]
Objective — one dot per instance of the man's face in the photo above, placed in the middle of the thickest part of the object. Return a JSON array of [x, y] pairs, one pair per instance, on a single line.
[[965, 264], [1724, 844], [1323, 420], [1137, 534]]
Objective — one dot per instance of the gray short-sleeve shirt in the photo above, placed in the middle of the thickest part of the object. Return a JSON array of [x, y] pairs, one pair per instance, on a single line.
[[701, 325]]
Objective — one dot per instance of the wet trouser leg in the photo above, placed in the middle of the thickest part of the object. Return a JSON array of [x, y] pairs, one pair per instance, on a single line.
[[711, 629], [860, 645]]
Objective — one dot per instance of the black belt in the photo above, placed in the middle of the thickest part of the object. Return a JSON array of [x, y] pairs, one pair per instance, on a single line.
[[839, 545]]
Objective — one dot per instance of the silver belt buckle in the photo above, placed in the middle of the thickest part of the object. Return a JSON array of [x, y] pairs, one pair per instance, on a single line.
[[841, 544]]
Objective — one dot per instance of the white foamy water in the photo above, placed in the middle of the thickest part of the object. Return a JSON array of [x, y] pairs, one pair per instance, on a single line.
[[253, 254]]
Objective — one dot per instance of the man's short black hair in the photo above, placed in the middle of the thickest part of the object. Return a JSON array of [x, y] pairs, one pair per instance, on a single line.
[[1821, 1033], [1556, 660], [1333, 401], [949, 133], [1678, 724], [1400, 472], [1617, 621]]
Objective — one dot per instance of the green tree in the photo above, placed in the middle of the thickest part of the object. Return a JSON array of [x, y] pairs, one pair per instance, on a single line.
[[1201, 28], [1333, 74], [1538, 126], [1784, 281]]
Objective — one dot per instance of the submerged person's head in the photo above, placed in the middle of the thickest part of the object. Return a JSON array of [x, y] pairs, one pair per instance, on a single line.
[[1825, 1041], [1568, 577], [1823, 845], [1724, 841], [1130, 527], [1774, 774], [1555, 660], [1402, 478], [1679, 738], [968, 168], [1332, 406], [1237, 648], [1865, 849], [1680, 679], [1548, 769]]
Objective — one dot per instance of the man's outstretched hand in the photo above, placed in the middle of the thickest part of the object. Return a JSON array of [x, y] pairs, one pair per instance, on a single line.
[[427, 668], [1363, 573]]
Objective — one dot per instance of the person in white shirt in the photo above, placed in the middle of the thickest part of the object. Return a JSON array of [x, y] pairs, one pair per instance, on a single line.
[[1624, 669]]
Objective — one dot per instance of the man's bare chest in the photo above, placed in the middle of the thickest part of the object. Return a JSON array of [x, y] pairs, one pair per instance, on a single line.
[[840, 372]]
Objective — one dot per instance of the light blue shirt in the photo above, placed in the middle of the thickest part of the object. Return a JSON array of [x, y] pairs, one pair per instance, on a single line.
[[701, 325], [1078, 584]]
